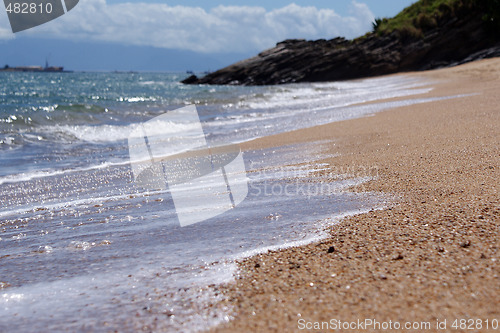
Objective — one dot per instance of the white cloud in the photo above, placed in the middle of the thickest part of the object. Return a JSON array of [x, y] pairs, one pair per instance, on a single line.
[[223, 28]]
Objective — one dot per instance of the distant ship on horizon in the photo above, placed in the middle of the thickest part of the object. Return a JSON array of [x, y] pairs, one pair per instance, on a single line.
[[47, 68]]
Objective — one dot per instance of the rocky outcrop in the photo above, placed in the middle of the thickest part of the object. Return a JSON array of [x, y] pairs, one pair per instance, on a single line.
[[452, 41]]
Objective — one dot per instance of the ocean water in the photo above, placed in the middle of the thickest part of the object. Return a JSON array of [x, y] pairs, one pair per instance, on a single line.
[[82, 248]]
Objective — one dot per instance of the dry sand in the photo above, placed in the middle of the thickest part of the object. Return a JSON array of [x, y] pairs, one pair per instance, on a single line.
[[434, 255]]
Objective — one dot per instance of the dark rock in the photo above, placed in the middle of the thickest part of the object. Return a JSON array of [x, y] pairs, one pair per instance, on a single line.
[[190, 80], [331, 249], [452, 41]]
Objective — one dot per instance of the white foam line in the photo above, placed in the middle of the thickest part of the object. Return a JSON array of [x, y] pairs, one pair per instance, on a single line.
[[379, 107], [73, 203], [374, 108], [23, 177]]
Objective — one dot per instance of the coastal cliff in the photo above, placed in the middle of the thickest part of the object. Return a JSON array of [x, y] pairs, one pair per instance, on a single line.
[[428, 34]]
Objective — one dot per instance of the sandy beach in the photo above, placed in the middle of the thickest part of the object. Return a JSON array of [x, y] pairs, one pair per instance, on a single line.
[[433, 255]]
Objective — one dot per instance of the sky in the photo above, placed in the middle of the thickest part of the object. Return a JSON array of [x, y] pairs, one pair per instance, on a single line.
[[210, 33]]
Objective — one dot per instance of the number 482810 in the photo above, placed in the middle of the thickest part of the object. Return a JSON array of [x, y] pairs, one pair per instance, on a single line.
[[475, 324], [29, 8]]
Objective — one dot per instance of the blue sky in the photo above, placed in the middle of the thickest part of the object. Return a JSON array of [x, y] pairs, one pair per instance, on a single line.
[[206, 28], [381, 8]]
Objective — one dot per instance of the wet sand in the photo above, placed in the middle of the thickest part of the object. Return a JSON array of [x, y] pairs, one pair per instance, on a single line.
[[433, 255]]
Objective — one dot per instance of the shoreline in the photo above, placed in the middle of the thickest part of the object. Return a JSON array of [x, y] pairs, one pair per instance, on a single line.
[[432, 256]]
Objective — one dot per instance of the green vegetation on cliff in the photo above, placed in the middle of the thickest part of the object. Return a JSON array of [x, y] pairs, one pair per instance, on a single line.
[[428, 34], [415, 20]]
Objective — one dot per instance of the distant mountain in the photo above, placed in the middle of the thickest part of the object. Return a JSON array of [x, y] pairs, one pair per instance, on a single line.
[[428, 34], [94, 56]]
